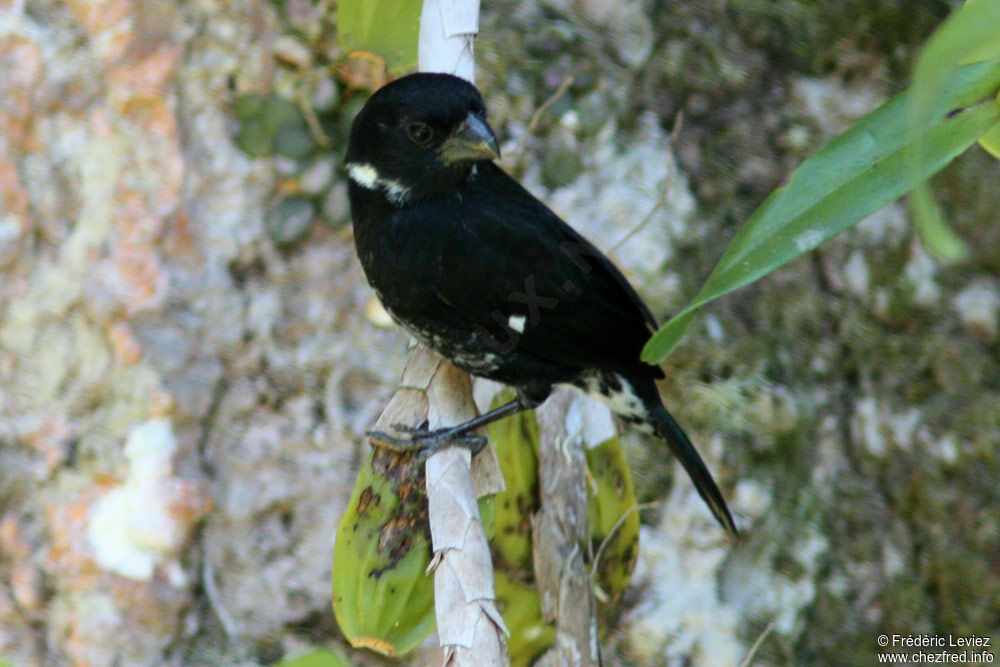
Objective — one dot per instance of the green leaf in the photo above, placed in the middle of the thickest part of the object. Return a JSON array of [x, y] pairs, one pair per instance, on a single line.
[[276, 112], [382, 596], [614, 523], [294, 140], [270, 125], [516, 439], [970, 35], [387, 28], [530, 635], [255, 139], [855, 174], [935, 234], [248, 106], [991, 141], [318, 658]]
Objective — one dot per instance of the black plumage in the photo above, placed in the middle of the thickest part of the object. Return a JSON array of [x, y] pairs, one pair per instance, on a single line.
[[481, 271]]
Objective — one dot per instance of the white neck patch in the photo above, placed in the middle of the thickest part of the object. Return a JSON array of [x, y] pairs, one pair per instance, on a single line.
[[368, 177]]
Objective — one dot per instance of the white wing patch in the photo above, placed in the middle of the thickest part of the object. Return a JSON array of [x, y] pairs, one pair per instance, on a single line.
[[368, 177], [516, 322]]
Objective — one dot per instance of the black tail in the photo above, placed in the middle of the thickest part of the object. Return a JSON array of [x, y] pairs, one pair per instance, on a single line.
[[664, 426], [668, 429]]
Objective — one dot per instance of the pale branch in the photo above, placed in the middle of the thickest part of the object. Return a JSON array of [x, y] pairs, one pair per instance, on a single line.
[[470, 628], [559, 528]]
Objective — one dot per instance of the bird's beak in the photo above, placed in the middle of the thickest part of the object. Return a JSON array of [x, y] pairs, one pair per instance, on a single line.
[[473, 140]]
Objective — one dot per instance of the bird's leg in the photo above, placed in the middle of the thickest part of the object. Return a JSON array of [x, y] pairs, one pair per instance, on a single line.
[[427, 442]]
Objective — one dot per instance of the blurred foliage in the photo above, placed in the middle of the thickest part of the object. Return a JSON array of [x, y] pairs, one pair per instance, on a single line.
[[317, 658], [886, 154], [304, 124], [306, 139], [387, 27], [271, 126], [290, 219]]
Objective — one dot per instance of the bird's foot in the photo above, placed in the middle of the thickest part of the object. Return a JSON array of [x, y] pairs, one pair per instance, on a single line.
[[426, 442]]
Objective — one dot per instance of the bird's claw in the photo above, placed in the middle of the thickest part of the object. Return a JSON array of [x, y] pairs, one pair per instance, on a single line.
[[412, 430], [426, 442]]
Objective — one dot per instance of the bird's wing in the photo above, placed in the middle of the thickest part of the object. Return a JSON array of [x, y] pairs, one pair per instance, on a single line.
[[516, 269]]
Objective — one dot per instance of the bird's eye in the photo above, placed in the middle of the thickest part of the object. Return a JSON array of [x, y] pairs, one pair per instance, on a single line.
[[420, 133]]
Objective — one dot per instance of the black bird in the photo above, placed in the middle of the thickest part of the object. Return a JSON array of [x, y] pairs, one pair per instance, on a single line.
[[482, 272]]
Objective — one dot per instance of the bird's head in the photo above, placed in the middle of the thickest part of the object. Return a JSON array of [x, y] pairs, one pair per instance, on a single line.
[[419, 136]]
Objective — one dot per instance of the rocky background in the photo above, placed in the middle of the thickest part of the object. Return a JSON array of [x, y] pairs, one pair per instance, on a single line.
[[188, 360]]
